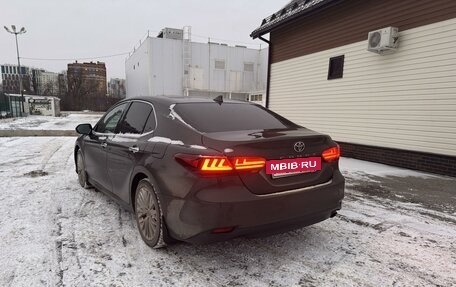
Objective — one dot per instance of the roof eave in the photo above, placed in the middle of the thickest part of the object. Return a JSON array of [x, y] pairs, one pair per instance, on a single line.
[[311, 10]]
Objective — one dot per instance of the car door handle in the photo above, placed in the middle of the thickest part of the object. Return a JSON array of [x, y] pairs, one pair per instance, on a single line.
[[133, 149], [104, 145]]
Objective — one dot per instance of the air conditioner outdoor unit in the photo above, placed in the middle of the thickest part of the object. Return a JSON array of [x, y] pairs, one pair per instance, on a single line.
[[383, 41]]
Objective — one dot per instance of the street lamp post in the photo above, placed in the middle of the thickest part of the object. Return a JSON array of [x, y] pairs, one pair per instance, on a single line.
[[22, 31]]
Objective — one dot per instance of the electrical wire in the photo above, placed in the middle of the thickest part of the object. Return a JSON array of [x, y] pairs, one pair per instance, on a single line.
[[76, 59]]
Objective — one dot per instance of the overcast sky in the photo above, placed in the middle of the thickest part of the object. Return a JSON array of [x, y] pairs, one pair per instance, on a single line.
[[89, 28]]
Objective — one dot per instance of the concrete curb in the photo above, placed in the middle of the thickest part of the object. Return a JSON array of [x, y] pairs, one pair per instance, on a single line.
[[38, 133]]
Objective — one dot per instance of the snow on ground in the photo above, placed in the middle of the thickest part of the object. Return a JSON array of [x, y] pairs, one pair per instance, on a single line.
[[55, 233], [66, 122], [361, 168]]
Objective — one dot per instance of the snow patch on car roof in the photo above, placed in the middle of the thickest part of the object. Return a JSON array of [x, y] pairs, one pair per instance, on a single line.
[[125, 137], [174, 115], [198, 146], [174, 142], [166, 140]]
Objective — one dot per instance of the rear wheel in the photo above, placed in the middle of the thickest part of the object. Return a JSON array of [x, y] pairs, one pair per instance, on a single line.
[[82, 175], [149, 215]]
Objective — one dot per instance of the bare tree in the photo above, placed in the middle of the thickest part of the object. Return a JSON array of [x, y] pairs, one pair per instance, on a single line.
[[86, 93], [49, 89]]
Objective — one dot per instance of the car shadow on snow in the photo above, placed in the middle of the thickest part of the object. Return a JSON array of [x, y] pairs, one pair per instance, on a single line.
[[294, 255]]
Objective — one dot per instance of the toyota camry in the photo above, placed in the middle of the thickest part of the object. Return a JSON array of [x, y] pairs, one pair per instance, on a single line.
[[201, 170]]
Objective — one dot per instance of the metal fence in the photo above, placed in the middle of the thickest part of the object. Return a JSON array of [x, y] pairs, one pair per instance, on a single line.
[[10, 107]]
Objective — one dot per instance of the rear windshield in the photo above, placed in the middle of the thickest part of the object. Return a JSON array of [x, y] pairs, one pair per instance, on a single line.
[[212, 117]]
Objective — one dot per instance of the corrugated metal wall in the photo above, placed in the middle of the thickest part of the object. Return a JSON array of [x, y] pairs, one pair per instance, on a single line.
[[137, 71], [406, 100], [165, 66], [156, 68], [230, 77]]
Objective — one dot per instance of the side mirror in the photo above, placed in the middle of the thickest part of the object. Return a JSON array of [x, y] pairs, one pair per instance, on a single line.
[[84, 129]]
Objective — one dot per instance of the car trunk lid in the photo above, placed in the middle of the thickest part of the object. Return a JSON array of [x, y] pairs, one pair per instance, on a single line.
[[274, 144]]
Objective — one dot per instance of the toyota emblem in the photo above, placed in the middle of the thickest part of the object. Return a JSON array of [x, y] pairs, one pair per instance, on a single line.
[[299, 146]]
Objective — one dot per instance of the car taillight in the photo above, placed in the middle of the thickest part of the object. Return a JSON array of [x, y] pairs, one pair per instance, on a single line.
[[221, 164], [331, 154], [215, 164], [248, 163]]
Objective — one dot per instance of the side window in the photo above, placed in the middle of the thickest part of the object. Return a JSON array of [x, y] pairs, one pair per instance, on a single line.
[[136, 118], [109, 122], [151, 123]]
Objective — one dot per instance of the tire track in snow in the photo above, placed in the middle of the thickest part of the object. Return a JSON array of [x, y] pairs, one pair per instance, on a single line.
[[7, 142], [58, 248], [55, 150], [61, 150], [85, 257], [50, 149]]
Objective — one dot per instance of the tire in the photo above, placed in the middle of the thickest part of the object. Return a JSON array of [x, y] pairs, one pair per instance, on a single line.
[[149, 216], [82, 174]]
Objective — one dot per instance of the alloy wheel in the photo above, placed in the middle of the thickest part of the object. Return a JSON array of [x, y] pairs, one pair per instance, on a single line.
[[148, 214]]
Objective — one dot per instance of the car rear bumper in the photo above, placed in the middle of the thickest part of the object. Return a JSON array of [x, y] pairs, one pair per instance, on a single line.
[[251, 214]]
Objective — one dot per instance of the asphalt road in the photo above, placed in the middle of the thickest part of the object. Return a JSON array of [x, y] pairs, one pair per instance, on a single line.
[[392, 231]]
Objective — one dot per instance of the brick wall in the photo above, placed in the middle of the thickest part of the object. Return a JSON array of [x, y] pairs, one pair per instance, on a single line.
[[434, 163]]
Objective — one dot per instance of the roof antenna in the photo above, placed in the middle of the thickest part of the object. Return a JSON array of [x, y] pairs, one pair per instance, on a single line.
[[219, 99]]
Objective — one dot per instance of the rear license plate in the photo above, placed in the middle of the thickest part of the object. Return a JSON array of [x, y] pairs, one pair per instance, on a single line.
[[285, 167]]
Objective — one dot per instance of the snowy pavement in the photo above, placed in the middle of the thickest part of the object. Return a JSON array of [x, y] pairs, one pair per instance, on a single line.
[[65, 122], [396, 228]]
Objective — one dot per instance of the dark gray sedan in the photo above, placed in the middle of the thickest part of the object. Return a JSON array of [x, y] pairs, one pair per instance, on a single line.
[[202, 170]]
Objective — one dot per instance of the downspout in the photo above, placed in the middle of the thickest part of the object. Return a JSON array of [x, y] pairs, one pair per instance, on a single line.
[[268, 77]]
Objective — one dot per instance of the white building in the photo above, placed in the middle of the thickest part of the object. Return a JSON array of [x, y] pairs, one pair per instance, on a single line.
[[171, 64], [47, 83]]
